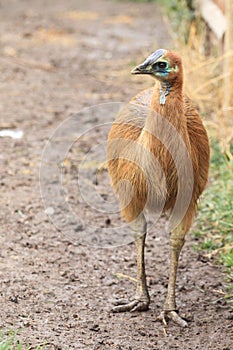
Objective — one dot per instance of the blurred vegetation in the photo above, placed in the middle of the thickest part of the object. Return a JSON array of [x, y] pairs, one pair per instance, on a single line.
[[182, 17], [214, 225], [9, 341]]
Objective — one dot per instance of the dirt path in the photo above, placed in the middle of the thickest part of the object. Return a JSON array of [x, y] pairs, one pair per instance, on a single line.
[[58, 57]]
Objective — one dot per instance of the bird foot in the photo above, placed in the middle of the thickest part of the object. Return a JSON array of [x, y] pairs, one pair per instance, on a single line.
[[137, 304], [172, 315]]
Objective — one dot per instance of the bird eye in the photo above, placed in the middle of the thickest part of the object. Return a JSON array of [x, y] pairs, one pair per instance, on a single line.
[[159, 65], [162, 65]]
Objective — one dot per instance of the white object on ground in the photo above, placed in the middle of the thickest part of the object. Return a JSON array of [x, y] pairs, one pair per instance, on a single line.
[[14, 134]]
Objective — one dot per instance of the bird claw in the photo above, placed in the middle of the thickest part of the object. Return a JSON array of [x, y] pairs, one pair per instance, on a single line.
[[172, 315], [135, 305], [121, 301]]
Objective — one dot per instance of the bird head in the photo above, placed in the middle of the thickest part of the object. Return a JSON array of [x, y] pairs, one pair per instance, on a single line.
[[163, 65]]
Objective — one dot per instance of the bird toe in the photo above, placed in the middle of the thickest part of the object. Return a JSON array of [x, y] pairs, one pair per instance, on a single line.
[[172, 315], [132, 306]]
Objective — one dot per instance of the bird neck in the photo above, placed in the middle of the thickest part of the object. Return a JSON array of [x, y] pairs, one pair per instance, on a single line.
[[167, 101], [170, 87], [165, 120]]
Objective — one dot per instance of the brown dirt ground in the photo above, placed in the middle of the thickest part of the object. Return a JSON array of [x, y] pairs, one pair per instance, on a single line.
[[58, 57]]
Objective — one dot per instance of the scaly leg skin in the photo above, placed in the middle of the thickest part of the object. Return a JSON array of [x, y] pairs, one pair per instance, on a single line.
[[169, 310], [141, 300]]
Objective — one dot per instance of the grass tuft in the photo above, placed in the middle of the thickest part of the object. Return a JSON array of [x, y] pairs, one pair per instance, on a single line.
[[215, 226], [9, 341]]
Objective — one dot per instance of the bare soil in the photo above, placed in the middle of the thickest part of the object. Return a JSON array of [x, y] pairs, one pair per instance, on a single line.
[[57, 58]]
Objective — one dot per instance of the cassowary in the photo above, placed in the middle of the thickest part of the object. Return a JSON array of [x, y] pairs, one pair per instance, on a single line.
[[158, 161]]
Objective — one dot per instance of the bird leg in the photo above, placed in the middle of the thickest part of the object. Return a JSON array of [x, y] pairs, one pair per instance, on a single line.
[[141, 300], [169, 309]]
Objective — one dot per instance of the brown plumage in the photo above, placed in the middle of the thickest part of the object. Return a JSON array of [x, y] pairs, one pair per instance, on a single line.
[[158, 160]]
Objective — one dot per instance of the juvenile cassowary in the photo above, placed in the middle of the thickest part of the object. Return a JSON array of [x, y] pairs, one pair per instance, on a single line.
[[158, 161]]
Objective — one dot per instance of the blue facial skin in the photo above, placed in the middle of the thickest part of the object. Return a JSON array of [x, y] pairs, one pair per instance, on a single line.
[[162, 73]]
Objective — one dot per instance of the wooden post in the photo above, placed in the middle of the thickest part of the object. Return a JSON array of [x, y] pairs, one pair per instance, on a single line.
[[228, 73]]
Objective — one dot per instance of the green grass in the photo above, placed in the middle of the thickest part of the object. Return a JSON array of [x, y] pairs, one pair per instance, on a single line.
[[9, 341], [215, 223]]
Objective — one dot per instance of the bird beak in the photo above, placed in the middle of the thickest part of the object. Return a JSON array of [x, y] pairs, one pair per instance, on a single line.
[[141, 69]]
